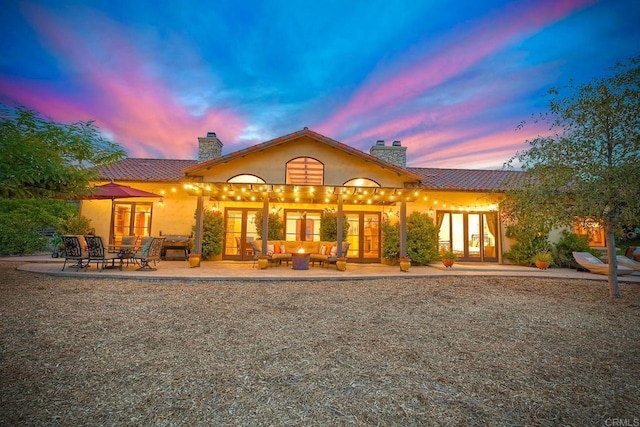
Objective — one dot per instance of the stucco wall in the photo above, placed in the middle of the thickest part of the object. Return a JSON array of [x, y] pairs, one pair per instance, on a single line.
[[270, 165]]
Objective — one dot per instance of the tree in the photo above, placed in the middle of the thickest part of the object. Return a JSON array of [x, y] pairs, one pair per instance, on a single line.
[[43, 159], [587, 167]]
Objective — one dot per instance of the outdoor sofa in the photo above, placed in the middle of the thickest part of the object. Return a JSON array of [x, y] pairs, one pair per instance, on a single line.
[[320, 251]]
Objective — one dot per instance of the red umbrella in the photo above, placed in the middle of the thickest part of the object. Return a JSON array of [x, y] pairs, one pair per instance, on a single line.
[[117, 191]]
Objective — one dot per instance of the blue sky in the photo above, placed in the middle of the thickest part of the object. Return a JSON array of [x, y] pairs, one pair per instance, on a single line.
[[451, 80]]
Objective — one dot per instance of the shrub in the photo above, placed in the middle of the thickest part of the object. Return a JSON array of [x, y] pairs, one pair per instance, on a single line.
[[20, 220], [422, 239], [568, 243], [523, 251], [390, 241], [329, 226], [212, 234], [276, 226]]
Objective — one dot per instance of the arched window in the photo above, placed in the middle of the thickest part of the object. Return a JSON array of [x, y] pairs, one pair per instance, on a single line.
[[246, 179], [305, 171], [361, 182]]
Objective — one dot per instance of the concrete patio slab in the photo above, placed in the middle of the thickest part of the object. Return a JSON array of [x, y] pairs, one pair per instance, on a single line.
[[243, 270]]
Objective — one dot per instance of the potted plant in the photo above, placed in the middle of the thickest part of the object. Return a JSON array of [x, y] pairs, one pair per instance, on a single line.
[[542, 259], [212, 236], [405, 263], [448, 258], [341, 264]]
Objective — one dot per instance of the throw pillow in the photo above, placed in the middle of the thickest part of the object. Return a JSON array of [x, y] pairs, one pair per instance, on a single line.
[[270, 250], [334, 251], [323, 250], [282, 250]]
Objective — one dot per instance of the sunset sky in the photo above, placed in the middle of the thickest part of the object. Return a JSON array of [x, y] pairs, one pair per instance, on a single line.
[[451, 80]]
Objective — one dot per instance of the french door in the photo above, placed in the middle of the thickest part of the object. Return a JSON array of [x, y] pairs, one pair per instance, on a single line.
[[240, 228], [470, 235], [363, 237], [130, 219]]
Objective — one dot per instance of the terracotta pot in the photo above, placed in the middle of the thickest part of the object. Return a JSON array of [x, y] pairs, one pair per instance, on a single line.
[[447, 263], [542, 265], [263, 262], [405, 264], [194, 260], [341, 264]]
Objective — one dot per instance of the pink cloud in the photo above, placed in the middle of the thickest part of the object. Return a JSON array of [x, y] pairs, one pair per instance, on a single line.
[[132, 102], [482, 148], [466, 47]]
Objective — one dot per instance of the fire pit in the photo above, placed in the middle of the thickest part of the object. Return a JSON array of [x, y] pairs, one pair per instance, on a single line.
[[300, 260]]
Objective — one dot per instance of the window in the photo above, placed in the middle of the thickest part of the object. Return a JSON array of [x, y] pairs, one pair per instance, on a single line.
[[305, 171], [361, 182], [246, 179]]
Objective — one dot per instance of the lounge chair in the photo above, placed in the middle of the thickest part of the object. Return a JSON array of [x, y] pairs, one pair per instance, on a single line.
[[594, 265], [98, 253], [633, 252], [626, 262], [150, 252], [75, 249]]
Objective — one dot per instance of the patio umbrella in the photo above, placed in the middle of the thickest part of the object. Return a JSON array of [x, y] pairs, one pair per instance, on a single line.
[[112, 191], [117, 191]]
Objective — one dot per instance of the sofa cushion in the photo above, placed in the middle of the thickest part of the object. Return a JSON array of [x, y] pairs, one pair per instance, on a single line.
[[311, 247], [291, 246]]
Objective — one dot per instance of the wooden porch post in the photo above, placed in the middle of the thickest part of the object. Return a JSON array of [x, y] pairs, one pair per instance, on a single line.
[[265, 222], [339, 226], [197, 245], [403, 228]]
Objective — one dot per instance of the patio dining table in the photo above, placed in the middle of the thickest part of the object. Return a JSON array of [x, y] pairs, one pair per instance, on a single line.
[[125, 252]]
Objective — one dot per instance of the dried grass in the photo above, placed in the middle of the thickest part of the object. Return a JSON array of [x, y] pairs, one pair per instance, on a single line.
[[442, 351]]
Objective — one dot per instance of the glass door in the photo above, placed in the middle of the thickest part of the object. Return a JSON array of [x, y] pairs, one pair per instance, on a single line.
[[131, 219], [364, 236], [471, 236], [240, 229]]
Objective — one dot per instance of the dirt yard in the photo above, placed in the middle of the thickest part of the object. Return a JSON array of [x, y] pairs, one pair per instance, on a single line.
[[451, 351]]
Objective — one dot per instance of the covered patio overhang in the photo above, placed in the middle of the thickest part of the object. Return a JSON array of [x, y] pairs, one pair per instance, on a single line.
[[311, 194]]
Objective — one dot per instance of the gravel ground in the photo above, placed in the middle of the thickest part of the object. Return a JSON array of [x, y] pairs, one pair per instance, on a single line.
[[441, 351]]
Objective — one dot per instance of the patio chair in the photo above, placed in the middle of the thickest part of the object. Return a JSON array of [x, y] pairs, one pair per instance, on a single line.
[[256, 253], [333, 258], [633, 253], [150, 252], [630, 263], [98, 253], [594, 265], [75, 249]]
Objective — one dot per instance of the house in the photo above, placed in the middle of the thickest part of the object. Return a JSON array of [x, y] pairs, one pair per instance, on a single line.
[[299, 175]]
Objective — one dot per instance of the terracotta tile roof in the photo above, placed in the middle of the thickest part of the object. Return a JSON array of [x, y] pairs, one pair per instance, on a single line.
[[304, 132], [466, 179], [156, 170]]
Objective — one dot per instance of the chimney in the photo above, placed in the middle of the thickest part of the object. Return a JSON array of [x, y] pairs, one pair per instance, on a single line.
[[209, 147], [395, 153]]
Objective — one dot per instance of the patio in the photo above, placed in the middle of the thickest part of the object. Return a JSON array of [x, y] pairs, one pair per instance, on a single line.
[[242, 270]]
